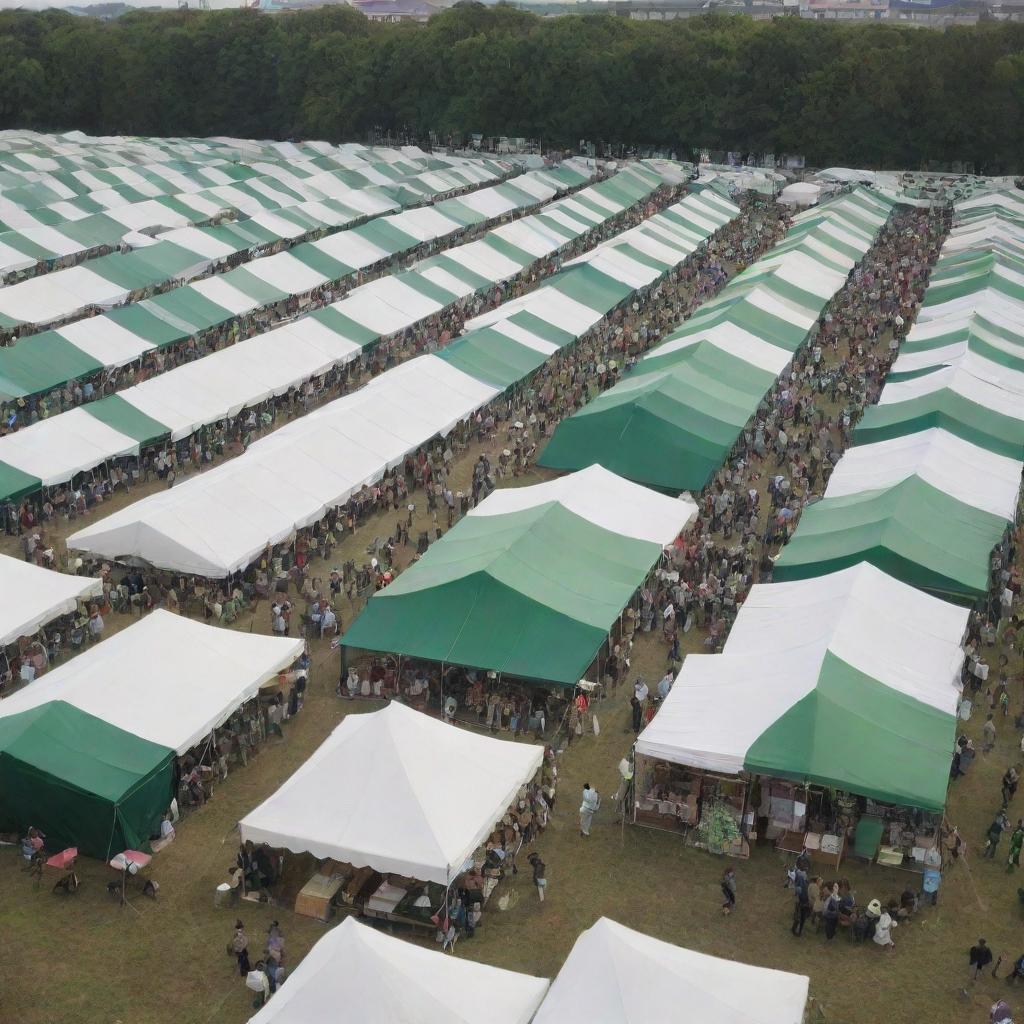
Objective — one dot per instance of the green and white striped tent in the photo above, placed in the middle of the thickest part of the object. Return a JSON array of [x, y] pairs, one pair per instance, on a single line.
[[927, 508], [672, 421], [52, 358], [177, 403], [530, 582], [933, 482], [849, 680], [210, 525]]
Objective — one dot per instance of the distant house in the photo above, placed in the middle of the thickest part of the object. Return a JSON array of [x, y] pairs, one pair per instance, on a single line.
[[845, 10], [397, 10]]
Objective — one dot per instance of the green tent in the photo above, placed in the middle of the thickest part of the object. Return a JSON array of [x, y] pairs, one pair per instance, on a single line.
[[81, 781], [672, 428], [950, 410], [531, 593], [912, 531]]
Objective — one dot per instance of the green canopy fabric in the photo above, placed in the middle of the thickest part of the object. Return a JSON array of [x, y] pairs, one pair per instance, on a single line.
[[669, 429], [532, 594], [493, 357], [81, 781], [15, 484], [41, 363], [852, 732], [947, 409], [122, 416], [912, 531]]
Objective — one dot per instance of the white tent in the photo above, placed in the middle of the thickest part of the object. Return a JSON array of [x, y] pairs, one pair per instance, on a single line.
[[967, 472], [216, 522], [428, 794], [31, 596], [358, 974], [602, 498], [166, 678], [615, 975], [800, 193]]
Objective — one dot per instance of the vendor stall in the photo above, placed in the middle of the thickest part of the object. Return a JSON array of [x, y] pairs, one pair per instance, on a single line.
[[435, 809], [835, 698]]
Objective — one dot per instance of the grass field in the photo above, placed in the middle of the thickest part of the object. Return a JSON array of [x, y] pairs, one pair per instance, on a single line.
[[85, 960]]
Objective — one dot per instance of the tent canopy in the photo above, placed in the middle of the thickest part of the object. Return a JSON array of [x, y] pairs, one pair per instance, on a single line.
[[31, 596], [382, 980], [868, 706], [80, 780], [429, 794], [530, 582], [165, 679], [619, 976]]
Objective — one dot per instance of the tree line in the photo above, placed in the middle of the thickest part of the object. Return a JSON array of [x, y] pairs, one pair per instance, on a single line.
[[879, 95]]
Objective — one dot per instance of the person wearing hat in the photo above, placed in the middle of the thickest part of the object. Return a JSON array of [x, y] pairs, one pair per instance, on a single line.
[[539, 874]]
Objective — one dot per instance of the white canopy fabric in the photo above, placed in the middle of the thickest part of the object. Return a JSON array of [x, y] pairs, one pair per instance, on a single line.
[[428, 794], [216, 522], [972, 475], [31, 597], [165, 678], [961, 382], [42, 300], [57, 448], [885, 628], [359, 974], [615, 975], [604, 499], [721, 703]]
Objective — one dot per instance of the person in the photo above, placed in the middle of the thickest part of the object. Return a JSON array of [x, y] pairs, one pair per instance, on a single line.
[[665, 686], [32, 844], [240, 947], [1011, 778], [1018, 970], [258, 981], [728, 887], [1016, 842], [979, 957], [625, 778], [640, 689], [95, 624], [539, 876], [883, 929], [801, 909], [989, 732], [995, 833], [588, 808], [831, 912], [637, 710], [1000, 1013]]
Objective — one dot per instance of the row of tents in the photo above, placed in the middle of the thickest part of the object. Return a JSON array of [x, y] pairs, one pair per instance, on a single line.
[[190, 252], [175, 404], [846, 670], [673, 420], [215, 523], [61, 200], [931, 484]]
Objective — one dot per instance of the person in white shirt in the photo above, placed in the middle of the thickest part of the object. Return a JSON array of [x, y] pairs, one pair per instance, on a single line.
[[640, 689], [588, 808], [96, 624], [328, 621], [665, 685]]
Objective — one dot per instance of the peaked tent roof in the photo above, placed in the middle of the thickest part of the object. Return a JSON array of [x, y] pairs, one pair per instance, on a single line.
[[382, 980], [80, 780], [165, 679], [673, 420], [912, 530], [875, 717], [616, 975], [429, 795], [530, 583], [31, 596]]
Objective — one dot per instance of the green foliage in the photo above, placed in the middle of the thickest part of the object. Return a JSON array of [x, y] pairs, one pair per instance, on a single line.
[[870, 95]]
